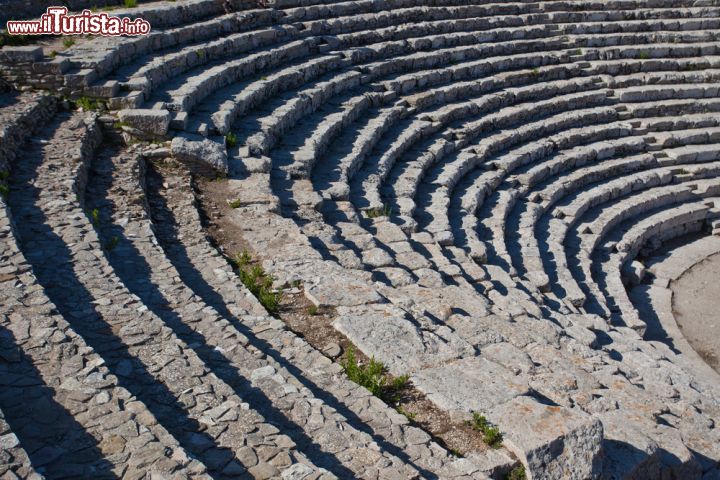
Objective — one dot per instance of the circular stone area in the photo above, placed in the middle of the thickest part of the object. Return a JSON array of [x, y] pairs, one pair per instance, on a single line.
[[696, 306]]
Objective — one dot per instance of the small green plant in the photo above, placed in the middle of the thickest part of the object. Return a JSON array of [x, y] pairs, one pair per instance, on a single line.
[[237, 203], [230, 140], [644, 55], [94, 216], [258, 282], [296, 283], [517, 473], [385, 211], [200, 54], [87, 103], [130, 3], [312, 310], [4, 191], [491, 433], [373, 376], [68, 42], [405, 413], [112, 243], [4, 175], [53, 54], [577, 51], [535, 72], [263, 78]]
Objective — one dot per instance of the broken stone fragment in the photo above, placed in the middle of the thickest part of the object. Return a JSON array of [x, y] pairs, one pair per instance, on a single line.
[[200, 152]]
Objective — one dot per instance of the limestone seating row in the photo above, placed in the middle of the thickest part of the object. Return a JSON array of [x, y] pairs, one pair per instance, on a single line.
[[161, 68], [500, 167], [644, 184], [235, 101], [203, 412], [678, 221], [173, 24], [184, 96], [493, 217], [50, 375], [572, 210], [651, 91], [580, 143], [564, 185], [192, 52], [460, 87], [510, 112]]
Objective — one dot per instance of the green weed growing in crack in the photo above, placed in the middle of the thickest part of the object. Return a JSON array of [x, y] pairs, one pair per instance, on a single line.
[[405, 413], [517, 473], [644, 55], [4, 191], [230, 140], [87, 103], [312, 310], [68, 42], [257, 280], [112, 243], [130, 3], [237, 203], [94, 216], [373, 376], [385, 211], [491, 434]]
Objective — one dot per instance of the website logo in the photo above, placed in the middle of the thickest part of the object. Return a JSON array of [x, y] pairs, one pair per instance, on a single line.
[[57, 21]]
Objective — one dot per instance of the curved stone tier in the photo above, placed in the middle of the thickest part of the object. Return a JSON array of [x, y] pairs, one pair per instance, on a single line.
[[490, 198]]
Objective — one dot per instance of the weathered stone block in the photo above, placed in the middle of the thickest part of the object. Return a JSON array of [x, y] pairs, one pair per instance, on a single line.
[[152, 122], [552, 442], [471, 384], [200, 151]]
